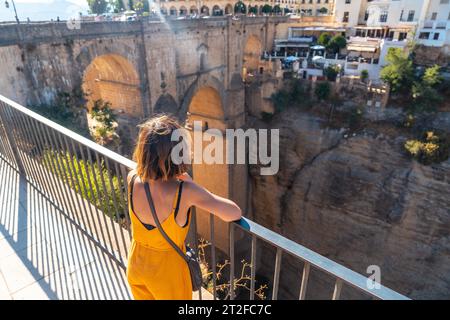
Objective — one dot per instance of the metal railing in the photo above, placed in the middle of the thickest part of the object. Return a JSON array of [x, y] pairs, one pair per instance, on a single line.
[[87, 182]]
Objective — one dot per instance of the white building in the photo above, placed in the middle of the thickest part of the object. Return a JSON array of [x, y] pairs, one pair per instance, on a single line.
[[434, 27]]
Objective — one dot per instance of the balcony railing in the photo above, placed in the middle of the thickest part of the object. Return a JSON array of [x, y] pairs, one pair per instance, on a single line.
[[87, 182]]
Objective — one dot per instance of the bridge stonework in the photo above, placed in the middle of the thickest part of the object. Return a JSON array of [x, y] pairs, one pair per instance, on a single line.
[[191, 68]]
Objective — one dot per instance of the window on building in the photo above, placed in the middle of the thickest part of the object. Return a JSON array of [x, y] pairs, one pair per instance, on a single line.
[[424, 35], [348, 1], [445, 1], [383, 16], [436, 36], [402, 36], [434, 16], [411, 14], [366, 15], [346, 16]]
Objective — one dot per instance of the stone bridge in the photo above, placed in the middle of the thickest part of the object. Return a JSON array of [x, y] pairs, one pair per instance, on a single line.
[[185, 67]]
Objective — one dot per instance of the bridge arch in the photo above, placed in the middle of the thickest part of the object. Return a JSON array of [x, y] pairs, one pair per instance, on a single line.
[[183, 11], [113, 78], [193, 10], [204, 10], [252, 53], [217, 11], [212, 90], [229, 9], [166, 104]]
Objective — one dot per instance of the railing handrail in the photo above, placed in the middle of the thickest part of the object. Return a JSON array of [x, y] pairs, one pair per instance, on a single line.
[[77, 137], [318, 261], [307, 255]]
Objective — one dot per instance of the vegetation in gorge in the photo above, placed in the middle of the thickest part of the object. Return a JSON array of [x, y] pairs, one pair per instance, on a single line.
[[90, 179], [293, 95], [419, 91], [429, 148], [104, 130], [67, 110]]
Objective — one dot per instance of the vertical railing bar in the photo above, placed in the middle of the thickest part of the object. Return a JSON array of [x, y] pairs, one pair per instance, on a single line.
[[74, 179], [38, 178], [84, 188], [4, 141], [213, 255], [61, 174], [276, 277], [305, 278], [14, 148], [196, 244], [337, 289], [102, 180], [102, 214], [81, 186], [124, 174], [253, 270], [231, 226], [118, 212], [65, 174], [54, 171], [123, 201], [18, 136], [95, 197], [6, 147], [46, 172]]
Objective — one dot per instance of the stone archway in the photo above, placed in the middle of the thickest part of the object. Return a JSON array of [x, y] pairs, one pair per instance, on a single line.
[[113, 78], [252, 53], [206, 106], [229, 9], [204, 10], [166, 104]]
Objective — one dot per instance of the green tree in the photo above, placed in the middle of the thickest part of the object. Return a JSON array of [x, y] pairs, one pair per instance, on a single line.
[[324, 39], [399, 72], [117, 6], [266, 9], [253, 10], [331, 72], [323, 91], [364, 75], [98, 6], [337, 43], [130, 5], [139, 7], [323, 10], [240, 7], [432, 76], [276, 9]]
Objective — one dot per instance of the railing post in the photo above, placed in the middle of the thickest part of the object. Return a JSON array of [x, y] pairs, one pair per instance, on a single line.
[[11, 141]]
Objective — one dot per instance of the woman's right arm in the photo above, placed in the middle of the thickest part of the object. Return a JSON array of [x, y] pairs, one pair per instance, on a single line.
[[224, 208]]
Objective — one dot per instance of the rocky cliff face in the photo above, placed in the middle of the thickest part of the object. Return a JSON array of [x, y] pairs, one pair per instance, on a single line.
[[360, 201]]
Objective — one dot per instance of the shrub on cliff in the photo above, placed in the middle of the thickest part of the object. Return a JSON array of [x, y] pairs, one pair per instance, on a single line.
[[294, 94], [431, 148], [323, 90]]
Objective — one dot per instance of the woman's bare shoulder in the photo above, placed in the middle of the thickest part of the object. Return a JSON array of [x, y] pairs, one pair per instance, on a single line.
[[130, 175]]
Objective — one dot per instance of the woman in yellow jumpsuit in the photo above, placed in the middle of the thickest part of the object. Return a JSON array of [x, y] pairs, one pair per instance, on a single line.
[[155, 270]]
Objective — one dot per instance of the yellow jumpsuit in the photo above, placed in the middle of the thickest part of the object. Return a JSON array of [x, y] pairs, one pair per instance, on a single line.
[[155, 270]]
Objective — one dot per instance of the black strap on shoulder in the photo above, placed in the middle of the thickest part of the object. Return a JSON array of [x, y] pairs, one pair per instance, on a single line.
[[158, 224], [130, 190], [179, 198]]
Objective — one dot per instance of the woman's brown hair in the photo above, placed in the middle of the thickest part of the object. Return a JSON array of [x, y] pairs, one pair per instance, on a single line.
[[154, 147]]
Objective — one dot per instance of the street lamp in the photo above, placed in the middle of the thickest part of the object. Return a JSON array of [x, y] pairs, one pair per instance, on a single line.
[[14, 6]]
